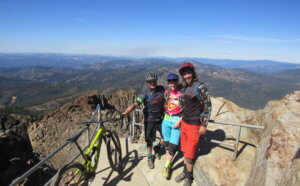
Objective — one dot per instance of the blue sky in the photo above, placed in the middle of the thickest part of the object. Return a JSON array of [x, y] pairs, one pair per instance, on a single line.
[[212, 29]]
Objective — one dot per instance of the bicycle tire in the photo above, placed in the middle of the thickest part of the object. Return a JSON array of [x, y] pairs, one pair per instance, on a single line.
[[60, 179], [114, 152]]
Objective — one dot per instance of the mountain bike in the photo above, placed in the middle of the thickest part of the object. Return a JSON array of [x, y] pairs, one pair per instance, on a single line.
[[79, 173]]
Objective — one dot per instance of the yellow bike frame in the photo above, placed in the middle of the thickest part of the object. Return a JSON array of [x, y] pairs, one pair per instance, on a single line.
[[88, 162]]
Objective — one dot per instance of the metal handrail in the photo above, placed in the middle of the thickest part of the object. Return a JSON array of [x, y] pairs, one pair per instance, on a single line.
[[238, 132], [238, 124], [42, 162]]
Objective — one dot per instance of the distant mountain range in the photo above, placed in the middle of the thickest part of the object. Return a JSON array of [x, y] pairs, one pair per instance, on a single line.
[[9, 60], [28, 85], [261, 66]]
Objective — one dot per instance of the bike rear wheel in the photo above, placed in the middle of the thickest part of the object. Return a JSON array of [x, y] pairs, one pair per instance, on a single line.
[[114, 152], [71, 174]]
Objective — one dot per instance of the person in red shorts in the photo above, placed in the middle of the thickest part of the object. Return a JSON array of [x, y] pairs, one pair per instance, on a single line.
[[196, 113]]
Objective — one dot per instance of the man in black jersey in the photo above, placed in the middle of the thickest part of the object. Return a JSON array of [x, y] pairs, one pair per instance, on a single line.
[[153, 100]]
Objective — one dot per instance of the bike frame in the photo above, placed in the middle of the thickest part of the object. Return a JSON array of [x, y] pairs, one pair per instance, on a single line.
[[87, 163]]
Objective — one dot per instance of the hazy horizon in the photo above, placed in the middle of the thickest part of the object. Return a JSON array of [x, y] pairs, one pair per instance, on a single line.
[[141, 57]]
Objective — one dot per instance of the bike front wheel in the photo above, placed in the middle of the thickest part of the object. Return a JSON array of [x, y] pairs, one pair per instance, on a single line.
[[71, 174], [114, 152]]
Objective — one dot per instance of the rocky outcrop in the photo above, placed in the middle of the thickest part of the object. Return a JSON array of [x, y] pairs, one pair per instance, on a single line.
[[215, 165], [268, 157], [52, 131], [16, 154], [277, 161]]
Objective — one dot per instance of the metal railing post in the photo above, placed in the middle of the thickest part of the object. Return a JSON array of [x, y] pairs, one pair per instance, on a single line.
[[133, 123], [88, 136], [236, 145], [99, 116]]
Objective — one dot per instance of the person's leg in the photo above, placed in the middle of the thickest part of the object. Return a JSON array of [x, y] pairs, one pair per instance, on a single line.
[[174, 138], [183, 138], [174, 141], [150, 137], [159, 148], [166, 133], [189, 163], [159, 129], [190, 151]]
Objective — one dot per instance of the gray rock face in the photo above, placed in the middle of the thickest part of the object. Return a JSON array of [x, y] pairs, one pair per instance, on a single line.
[[16, 155], [277, 159]]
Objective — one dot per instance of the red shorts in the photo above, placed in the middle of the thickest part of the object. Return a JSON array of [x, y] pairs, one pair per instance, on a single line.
[[189, 139]]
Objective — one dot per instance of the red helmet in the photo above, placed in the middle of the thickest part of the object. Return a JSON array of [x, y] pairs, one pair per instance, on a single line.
[[187, 66]]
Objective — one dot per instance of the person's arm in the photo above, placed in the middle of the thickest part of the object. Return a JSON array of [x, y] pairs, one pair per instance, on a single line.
[[207, 107], [177, 124], [130, 108], [133, 106]]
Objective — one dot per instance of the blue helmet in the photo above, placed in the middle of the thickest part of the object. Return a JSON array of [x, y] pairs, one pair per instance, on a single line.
[[172, 77]]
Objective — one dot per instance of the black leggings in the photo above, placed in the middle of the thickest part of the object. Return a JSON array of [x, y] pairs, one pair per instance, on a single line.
[[150, 131]]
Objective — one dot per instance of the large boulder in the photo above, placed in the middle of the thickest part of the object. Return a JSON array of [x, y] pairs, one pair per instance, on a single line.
[[16, 155], [215, 165], [277, 161], [268, 157]]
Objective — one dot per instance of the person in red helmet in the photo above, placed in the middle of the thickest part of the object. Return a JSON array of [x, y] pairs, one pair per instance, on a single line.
[[196, 114]]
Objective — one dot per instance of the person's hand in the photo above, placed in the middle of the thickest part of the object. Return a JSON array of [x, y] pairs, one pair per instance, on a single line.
[[177, 124], [119, 116], [202, 130]]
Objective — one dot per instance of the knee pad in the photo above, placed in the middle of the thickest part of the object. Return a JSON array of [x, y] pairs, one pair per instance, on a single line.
[[172, 149], [191, 161]]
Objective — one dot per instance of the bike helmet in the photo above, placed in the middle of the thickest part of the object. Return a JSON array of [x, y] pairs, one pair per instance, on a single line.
[[172, 77], [151, 76], [187, 66]]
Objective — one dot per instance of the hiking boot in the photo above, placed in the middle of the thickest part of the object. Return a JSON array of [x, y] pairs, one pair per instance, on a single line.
[[151, 162], [188, 181], [167, 172], [180, 177]]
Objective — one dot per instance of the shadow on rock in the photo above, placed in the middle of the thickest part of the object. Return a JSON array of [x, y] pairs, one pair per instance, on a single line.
[[240, 150], [205, 145]]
